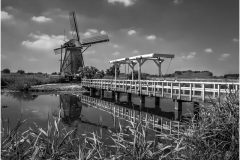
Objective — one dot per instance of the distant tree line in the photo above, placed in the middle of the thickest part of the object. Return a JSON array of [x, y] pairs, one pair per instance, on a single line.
[[7, 71], [91, 72], [234, 76]]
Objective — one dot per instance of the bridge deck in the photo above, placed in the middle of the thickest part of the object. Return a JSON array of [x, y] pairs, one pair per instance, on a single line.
[[189, 91]]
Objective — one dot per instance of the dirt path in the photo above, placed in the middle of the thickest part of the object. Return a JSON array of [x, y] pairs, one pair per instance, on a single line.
[[57, 87]]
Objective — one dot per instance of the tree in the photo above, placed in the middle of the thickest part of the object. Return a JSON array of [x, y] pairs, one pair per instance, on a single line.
[[6, 71], [111, 71], [88, 72], [99, 74], [39, 72], [21, 71], [135, 75], [54, 73]]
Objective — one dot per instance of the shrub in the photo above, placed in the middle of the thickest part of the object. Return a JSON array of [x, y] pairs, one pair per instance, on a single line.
[[6, 71], [21, 71]]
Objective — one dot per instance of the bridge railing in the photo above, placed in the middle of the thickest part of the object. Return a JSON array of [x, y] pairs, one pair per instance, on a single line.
[[190, 91]]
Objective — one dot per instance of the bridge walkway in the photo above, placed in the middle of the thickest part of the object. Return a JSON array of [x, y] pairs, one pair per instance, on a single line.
[[181, 90]]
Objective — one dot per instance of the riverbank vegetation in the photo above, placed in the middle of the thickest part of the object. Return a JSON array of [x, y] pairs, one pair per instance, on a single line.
[[213, 133], [22, 82]]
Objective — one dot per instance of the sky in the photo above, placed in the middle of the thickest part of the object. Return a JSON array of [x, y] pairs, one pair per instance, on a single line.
[[202, 34]]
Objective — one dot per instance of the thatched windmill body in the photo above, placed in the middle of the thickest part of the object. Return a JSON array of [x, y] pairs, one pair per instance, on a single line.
[[71, 51]]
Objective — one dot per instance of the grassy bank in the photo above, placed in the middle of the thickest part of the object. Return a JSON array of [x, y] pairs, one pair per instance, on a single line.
[[213, 134], [21, 82]]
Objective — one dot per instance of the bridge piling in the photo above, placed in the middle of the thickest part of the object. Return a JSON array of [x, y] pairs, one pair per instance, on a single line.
[[129, 97], [157, 101], [142, 98], [92, 92], [113, 94], [101, 93], [178, 105], [117, 96]]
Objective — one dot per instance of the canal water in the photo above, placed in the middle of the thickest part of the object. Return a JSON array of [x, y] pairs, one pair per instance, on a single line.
[[38, 108]]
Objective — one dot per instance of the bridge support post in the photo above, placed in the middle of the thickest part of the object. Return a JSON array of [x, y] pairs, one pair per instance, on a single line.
[[92, 92], [117, 96], [129, 97], [158, 63], [157, 101], [101, 93], [113, 94], [178, 105], [142, 98], [178, 109]]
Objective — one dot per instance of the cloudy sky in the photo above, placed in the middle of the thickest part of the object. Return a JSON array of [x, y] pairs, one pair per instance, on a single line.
[[202, 34]]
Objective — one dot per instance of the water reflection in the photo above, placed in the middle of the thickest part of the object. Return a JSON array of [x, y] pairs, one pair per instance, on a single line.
[[84, 112], [71, 108], [19, 96]]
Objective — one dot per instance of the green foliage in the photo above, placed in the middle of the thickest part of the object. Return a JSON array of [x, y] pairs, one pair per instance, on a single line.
[[54, 73], [21, 71], [99, 75], [111, 71], [144, 76], [235, 76], [6, 71], [90, 72], [21, 82]]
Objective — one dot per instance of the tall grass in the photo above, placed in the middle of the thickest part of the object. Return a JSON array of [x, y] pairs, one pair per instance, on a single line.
[[21, 82], [214, 132]]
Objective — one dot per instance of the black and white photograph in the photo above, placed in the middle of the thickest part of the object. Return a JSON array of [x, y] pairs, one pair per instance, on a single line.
[[120, 79]]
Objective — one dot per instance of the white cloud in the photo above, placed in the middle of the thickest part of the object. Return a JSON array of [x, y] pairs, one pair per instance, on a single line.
[[89, 52], [5, 15], [93, 30], [224, 56], [3, 56], [177, 1], [135, 52], [190, 55], [33, 59], [103, 32], [125, 2], [116, 53], [151, 37], [208, 50], [116, 46], [131, 32], [87, 34], [235, 40], [41, 19], [44, 41]]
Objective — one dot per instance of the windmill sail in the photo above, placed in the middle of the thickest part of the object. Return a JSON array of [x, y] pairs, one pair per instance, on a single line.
[[94, 40], [74, 26], [59, 50]]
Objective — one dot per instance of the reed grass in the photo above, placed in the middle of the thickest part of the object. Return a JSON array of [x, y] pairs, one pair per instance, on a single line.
[[213, 133], [21, 82]]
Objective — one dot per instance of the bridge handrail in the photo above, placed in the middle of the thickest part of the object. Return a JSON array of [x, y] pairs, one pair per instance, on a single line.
[[198, 82]]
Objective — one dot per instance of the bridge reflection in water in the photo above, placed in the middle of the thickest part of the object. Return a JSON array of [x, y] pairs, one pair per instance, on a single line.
[[72, 115]]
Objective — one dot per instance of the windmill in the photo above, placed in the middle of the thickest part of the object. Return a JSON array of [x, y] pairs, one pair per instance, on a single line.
[[72, 51]]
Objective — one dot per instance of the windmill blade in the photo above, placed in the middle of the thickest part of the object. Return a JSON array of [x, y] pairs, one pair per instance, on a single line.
[[74, 26], [59, 50], [94, 40]]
